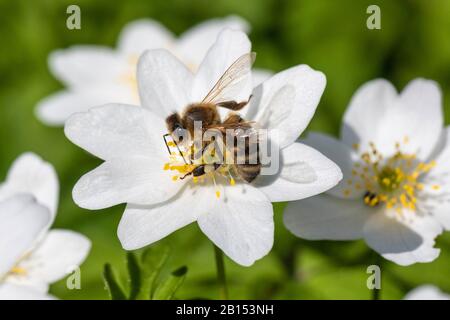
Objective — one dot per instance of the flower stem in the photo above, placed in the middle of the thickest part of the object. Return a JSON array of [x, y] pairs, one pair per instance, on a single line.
[[376, 293], [221, 278]]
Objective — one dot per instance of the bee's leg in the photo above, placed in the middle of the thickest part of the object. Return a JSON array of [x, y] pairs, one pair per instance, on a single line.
[[233, 105], [187, 174], [202, 170], [232, 118], [197, 172]]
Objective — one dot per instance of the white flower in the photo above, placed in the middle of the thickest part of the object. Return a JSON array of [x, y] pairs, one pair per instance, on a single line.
[[394, 153], [95, 75], [426, 292], [32, 256], [129, 139]]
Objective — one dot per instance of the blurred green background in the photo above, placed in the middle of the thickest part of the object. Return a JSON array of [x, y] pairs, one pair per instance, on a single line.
[[329, 35]]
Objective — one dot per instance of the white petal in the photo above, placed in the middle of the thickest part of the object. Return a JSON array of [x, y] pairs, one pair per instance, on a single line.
[[437, 202], [229, 46], [287, 101], [366, 112], [260, 75], [30, 174], [344, 157], [164, 82], [441, 172], [442, 214], [82, 66], [143, 225], [55, 109], [60, 252], [138, 180], [417, 116], [378, 114], [325, 217], [144, 34], [304, 172], [241, 224], [14, 292], [194, 43], [116, 130], [403, 241], [426, 292], [22, 222]]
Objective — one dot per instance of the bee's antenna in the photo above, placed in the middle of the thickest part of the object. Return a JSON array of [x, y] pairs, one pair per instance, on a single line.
[[165, 141], [178, 148]]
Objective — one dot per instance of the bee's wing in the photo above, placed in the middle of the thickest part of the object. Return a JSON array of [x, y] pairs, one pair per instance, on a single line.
[[228, 86]]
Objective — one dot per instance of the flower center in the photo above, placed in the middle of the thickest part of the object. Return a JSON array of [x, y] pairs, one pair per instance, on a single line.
[[394, 182], [209, 167]]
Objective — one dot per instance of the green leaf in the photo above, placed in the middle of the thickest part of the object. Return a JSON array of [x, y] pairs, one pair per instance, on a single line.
[[115, 290], [134, 272], [166, 290], [152, 261]]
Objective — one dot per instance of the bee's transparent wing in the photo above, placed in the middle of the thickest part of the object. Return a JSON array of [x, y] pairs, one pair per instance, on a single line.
[[231, 82]]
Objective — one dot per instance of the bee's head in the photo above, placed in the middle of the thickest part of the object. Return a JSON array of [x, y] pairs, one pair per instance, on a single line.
[[176, 128]]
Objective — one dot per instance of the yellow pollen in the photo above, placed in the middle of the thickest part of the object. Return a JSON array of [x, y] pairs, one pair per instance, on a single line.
[[182, 170], [217, 194], [393, 181], [18, 271]]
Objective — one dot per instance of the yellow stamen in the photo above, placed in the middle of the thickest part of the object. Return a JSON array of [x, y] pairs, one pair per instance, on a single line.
[[405, 139], [18, 270], [393, 181]]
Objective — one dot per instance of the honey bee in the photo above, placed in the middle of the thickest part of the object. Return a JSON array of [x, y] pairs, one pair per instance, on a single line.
[[206, 112]]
